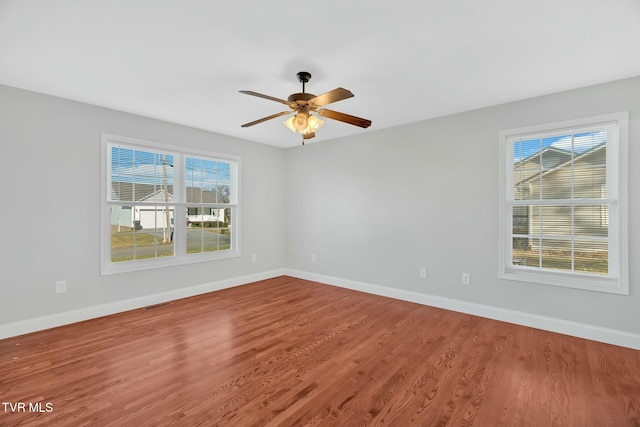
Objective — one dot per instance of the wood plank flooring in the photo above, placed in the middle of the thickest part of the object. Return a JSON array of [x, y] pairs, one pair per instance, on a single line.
[[288, 352]]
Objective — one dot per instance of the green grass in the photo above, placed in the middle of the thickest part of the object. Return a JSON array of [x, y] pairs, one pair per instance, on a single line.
[[125, 240], [586, 263]]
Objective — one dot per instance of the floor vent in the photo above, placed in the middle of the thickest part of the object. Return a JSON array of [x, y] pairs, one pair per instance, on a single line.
[[151, 307]]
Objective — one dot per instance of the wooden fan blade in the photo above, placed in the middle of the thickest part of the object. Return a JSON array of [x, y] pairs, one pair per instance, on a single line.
[[338, 94], [260, 95], [264, 119], [346, 118]]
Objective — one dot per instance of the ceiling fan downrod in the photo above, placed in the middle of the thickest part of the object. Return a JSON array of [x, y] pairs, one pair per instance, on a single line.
[[304, 77]]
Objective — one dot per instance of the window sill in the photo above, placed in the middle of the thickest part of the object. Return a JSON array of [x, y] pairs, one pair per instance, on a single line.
[[566, 280], [140, 265]]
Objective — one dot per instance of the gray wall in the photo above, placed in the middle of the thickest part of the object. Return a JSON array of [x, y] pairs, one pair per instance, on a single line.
[[374, 207], [378, 206], [50, 211]]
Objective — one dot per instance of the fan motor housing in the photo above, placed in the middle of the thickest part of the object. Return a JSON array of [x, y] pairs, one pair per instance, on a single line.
[[300, 98]]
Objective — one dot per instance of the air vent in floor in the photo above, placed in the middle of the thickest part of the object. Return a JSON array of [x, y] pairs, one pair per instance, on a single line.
[[151, 307]]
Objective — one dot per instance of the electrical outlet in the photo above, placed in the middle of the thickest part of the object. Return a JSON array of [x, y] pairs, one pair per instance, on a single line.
[[313, 257], [254, 258], [61, 286], [466, 278], [423, 272]]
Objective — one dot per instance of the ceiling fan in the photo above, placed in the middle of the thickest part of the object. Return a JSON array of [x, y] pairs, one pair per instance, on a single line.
[[302, 104]]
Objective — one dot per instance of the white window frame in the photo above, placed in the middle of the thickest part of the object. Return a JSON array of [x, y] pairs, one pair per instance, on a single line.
[[616, 281], [180, 256]]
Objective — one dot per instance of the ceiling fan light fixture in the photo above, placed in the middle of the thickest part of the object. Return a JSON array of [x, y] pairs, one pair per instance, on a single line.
[[313, 124]]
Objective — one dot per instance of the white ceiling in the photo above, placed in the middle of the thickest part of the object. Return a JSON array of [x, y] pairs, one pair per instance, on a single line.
[[185, 61]]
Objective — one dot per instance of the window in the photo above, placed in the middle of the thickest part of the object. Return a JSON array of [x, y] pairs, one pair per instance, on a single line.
[[165, 206], [563, 204]]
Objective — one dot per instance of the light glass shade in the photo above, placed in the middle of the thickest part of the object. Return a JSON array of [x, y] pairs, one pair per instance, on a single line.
[[315, 123], [300, 121], [289, 124]]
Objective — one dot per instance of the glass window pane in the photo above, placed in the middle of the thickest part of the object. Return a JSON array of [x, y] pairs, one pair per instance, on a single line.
[[535, 220], [526, 251], [224, 241], [554, 156], [140, 232], [556, 184], [122, 172], [209, 229], [588, 182], [526, 161], [223, 193], [192, 180], [223, 173], [556, 254], [592, 220], [208, 181], [194, 217], [591, 257], [520, 218], [209, 194], [193, 195], [137, 174], [193, 169], [195, 224], [587, 142], [556, 220], [210, 238], [209, 170]]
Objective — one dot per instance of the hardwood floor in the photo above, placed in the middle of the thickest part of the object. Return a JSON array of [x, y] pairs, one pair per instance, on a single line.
[[285, 352]]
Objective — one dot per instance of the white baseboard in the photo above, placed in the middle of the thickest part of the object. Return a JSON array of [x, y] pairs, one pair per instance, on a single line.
[[73, 316], [581, 330]]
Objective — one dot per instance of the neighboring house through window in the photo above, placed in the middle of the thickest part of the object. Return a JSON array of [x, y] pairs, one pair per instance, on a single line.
[[563, 204], [163, 205]]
